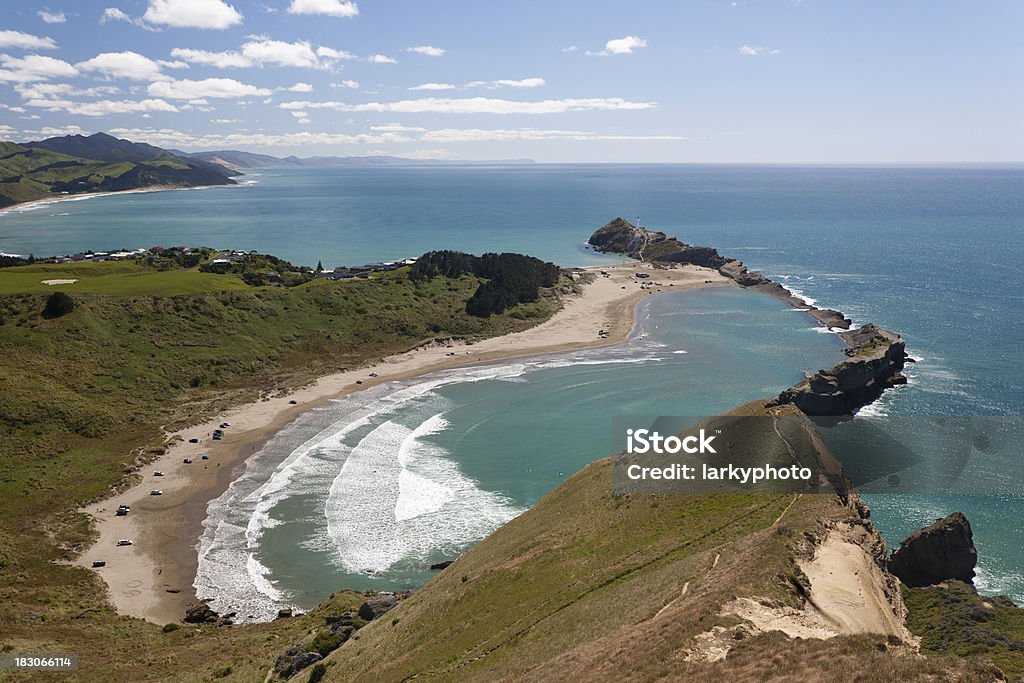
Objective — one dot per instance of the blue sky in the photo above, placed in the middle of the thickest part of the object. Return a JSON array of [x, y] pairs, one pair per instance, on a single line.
[[671, 81]]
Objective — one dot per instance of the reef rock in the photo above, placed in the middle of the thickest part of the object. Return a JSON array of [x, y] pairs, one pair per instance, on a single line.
[[875, 358]]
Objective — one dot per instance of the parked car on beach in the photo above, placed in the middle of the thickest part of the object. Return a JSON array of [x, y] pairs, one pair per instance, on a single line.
[[124, 541]]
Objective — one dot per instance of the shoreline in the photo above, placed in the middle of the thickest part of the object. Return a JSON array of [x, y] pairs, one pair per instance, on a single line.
[[152, 579], [22, 206]]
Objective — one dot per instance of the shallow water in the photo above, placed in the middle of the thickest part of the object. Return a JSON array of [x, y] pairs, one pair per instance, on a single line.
[[370, 490]]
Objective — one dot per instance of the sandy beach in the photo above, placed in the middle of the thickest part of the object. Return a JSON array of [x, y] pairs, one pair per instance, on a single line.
[[34, 204], [152, 578]]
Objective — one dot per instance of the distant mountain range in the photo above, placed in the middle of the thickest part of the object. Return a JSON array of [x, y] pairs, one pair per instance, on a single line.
[[77, 164], [235, 159]]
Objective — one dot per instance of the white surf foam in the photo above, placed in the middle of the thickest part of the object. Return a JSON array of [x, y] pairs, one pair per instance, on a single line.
[[388, 493], [803, 297], [376, 522]]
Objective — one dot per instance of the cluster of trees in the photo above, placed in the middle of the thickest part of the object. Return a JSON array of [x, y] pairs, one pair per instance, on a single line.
[[511, 279], [167, 258], [8, 261], [262, 269]]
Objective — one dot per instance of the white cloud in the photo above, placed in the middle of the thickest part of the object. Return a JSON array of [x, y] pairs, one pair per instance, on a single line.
[[347, 83], [50, 132], [433, 86], [52, 17], [755, 50], [476, 105], [26, 41], [221, 60], [620, 46], [397, 128], [172, 64], [226, 121], [107, 107], [210, 87], [448, 135], [114, 14], [300, 87], [212, 14], [41, 91], [130, 65], [506, 83], [571, 48], [428, 50], [50, 102], [265, 50], [331, 53], [381, 59], [333, 8], [33, 68], [301, 116]]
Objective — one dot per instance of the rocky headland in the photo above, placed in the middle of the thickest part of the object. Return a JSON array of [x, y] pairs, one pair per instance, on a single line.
[[875, 357], [940, 552]]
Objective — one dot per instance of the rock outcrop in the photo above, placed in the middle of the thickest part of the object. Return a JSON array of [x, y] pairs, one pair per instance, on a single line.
[[875, 358], [294, 660], [200, 613], [940, 552], [622, 237], [371, 609]]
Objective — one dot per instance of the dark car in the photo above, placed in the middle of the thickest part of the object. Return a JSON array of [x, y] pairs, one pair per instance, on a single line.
[[193, 440], [99, 563], [187, 461]]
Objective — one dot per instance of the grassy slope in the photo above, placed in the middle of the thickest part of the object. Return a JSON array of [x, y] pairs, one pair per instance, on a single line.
[[79, 394], [954, 620], [115, 278], [40, 168], [571, 590]]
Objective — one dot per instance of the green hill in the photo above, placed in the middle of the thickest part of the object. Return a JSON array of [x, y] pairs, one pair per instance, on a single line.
[[98, 163]]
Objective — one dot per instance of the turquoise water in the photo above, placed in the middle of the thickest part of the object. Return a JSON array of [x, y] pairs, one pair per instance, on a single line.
[[369, 491], [935, 253]]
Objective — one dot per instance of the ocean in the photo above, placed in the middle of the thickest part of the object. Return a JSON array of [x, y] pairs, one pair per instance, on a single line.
[[934, 253]]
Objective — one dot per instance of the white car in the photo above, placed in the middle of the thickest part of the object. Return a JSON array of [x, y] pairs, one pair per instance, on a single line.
[[156, 492], [124, 541], [158, 473]]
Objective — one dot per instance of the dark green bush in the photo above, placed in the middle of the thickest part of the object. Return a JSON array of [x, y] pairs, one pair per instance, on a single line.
[[58, 304], [317, 673]]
